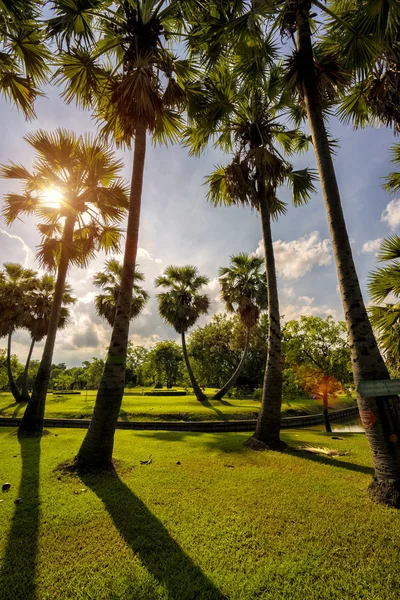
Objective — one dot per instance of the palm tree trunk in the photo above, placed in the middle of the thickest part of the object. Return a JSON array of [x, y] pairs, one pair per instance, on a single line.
[[267, 434], [24, 383], [97, 447], [32, 421], [380, 416], [328, 428], [225, 389], [11, 381], [196, 388]]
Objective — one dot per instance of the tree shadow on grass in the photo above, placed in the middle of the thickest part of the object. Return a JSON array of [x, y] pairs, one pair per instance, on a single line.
[[330, 461], [219, 413], [150, 540], [18, 570]]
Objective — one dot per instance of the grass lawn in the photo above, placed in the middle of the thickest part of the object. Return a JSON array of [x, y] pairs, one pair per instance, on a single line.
[[227, 523], [137, 407]]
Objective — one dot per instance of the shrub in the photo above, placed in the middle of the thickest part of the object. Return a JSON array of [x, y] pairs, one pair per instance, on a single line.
[[257, 394]]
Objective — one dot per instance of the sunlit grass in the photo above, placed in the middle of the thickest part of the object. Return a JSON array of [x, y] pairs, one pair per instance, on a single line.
[[136, 406], [226, 523]]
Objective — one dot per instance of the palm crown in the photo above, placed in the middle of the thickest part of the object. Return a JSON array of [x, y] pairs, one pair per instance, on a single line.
[[183, 303], [84, 174], [17, 287], [23, 54], [117, 62], [110, 281], [38, 318], [244, 288]]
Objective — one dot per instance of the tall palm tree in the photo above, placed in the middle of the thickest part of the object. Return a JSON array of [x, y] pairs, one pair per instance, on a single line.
[[382, 282], [244, 291], [38, 319], [110, 281], [182, 305], [317, 89], [244, 120], [74, 187], [116, 62], [24, 57], [17, 286]]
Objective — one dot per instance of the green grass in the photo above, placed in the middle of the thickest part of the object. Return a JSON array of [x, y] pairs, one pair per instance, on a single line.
[[227, 523], [137, 407]]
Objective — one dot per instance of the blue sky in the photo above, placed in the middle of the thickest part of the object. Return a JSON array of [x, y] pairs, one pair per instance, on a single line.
[[179, 227]]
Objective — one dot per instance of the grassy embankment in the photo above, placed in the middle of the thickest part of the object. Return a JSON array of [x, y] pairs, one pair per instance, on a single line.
[[137, 407], [226, 523]]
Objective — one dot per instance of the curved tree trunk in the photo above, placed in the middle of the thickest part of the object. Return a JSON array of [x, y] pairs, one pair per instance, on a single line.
[[24, 382], [380, 416], [97, 447], [32, 421], [268, 427], [225, 389], [11, 381], [196, 388]]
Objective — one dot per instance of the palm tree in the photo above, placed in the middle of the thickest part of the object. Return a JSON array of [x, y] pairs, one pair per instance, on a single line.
[[74, 188], [24, 57], [244, 120], [182, 305], [317, 82], [116, 62], [38, 319], [110, 280], [244, 291], [17, 286], [382, 282]]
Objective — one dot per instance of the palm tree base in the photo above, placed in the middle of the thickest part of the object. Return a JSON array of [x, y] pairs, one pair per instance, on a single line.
[[31, 428], [255, 444], [385, 492]]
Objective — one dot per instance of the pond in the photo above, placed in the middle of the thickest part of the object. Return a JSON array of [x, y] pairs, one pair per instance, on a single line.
[[351, 426]]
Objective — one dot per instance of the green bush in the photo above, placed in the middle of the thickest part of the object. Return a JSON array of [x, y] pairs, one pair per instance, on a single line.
[[257, 394]]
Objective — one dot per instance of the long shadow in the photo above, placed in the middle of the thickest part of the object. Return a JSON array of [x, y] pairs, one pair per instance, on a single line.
[[8, 406], [18, 408], [150, 540], [18, 571], [332, 462], [219, 413]]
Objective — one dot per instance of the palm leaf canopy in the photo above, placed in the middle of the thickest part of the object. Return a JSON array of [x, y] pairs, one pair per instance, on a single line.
[[244, 288], [183, 303], [110, 281], [17, 290], [72, 176], [38, 319], [115, 59], [24, 56], [383, 282], [249, 126]]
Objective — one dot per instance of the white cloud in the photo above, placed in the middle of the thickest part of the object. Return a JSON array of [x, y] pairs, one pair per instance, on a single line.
[[296, 258], [391, 214], [29, 259], [289, 292], [371, 245], [306, 299], [295, 311]]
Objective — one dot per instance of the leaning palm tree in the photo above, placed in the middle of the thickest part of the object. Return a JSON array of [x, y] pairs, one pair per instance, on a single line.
[[382, 282], [74, 188], [182, 305], [244, 292], [24, 57], [17, 287], [110, 281], [38, 319], [116, 62]]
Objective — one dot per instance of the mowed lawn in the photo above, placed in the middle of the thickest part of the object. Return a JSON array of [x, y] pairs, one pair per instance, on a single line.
[[224, 523], [137, 406]]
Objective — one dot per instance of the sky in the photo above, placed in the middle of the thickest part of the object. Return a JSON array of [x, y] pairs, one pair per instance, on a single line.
[[179, 227]]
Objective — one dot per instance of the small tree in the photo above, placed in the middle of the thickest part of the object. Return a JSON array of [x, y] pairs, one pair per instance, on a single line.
[[182, 305]]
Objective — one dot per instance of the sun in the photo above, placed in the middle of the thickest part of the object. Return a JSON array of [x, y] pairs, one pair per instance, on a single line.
[[52, 197]]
